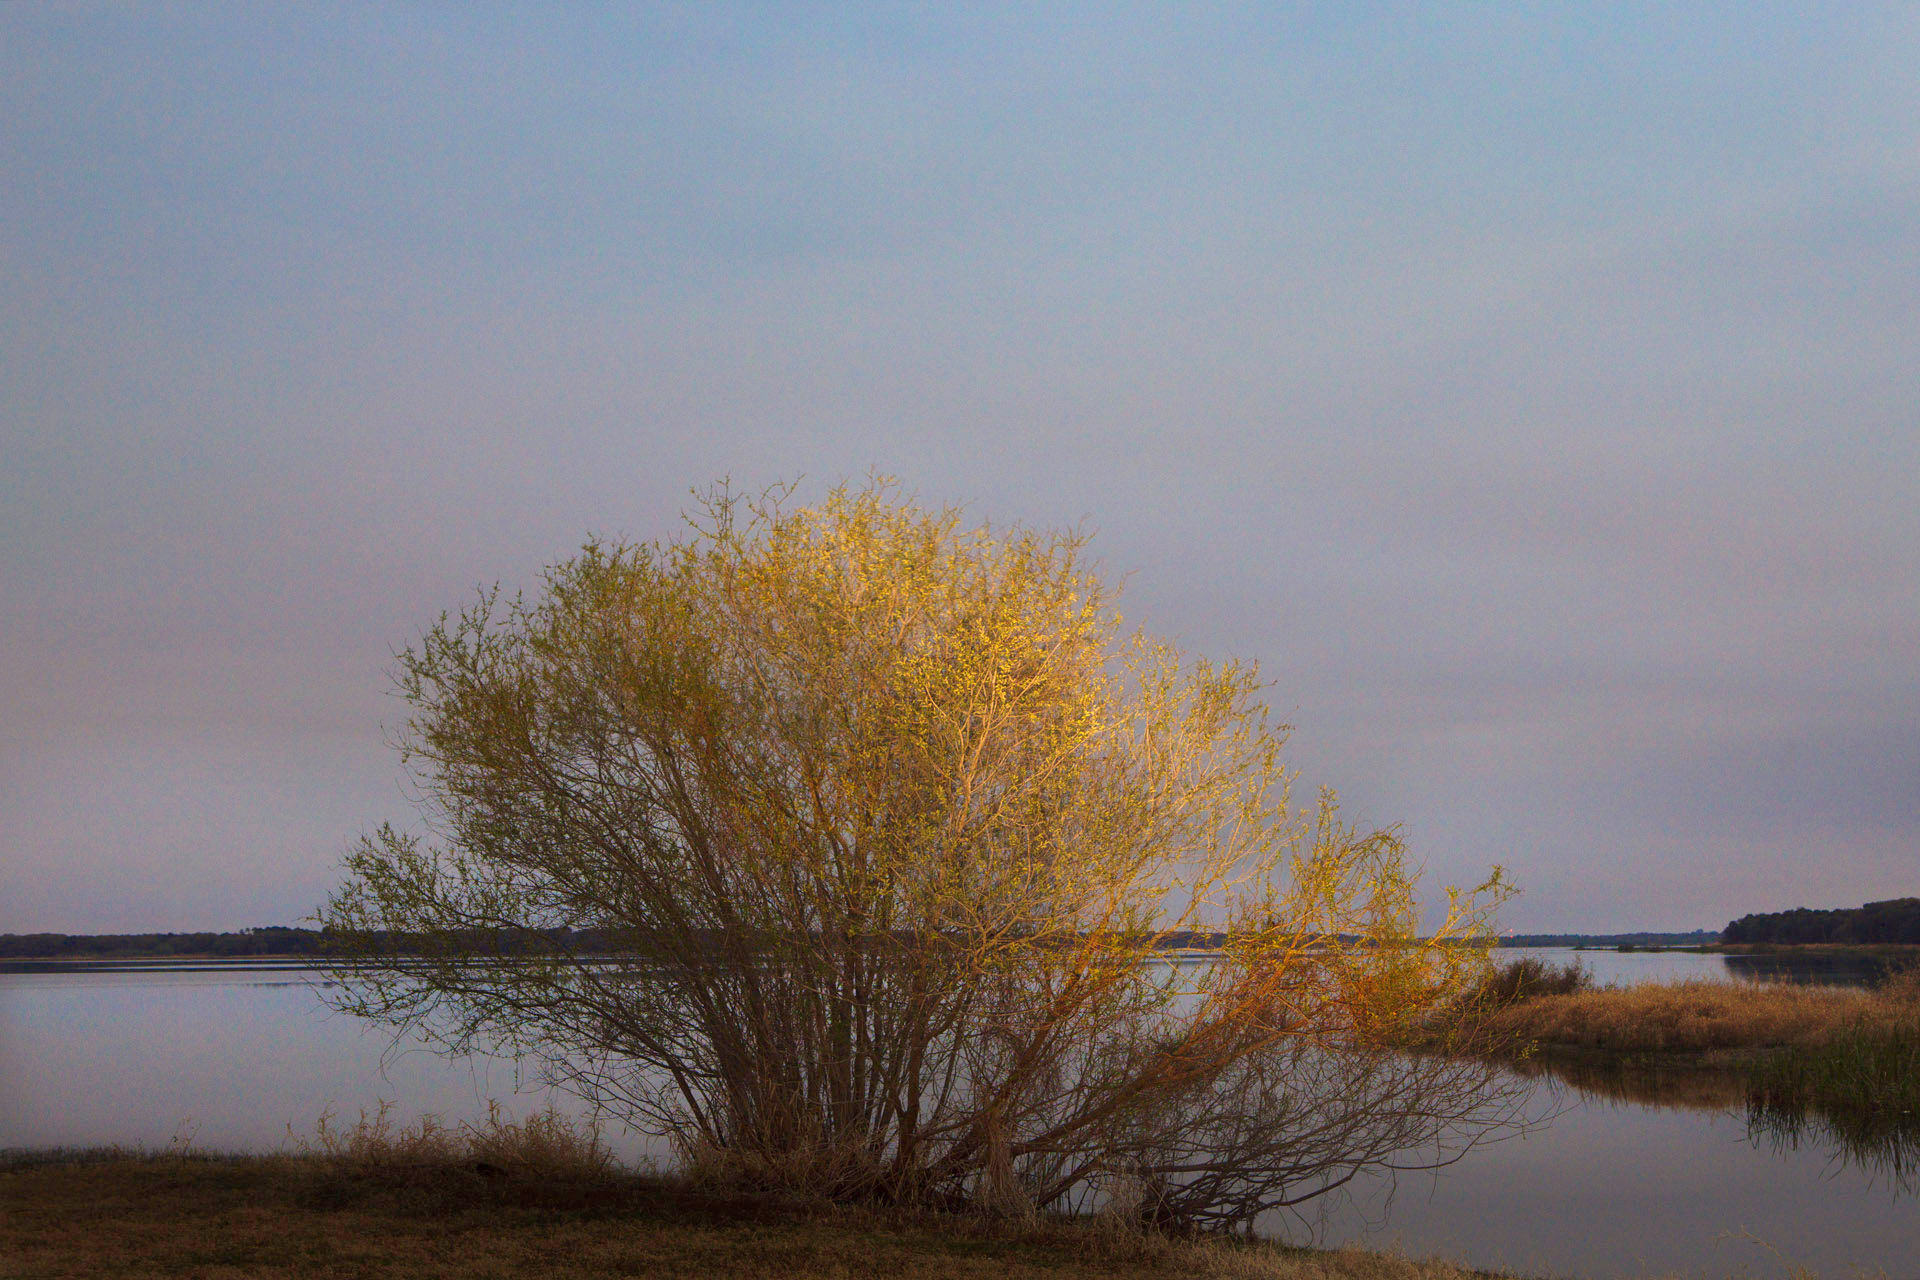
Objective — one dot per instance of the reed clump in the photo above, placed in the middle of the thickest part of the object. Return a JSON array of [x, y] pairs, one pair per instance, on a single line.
[[546, 1144], [1699, 1016], [1683, 1017], [1529, 978]]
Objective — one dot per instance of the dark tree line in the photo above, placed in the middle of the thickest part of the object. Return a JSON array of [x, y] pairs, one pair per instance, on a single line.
[[1695, 938], [270, 941], [1897, 920], [281, 941]]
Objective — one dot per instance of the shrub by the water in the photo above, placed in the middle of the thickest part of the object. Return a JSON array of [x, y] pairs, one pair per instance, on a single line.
[[1465, 1024], [882, 824], [1529, 977]]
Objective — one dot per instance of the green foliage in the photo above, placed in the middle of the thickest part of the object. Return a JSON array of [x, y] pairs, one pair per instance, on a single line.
[[1873, 1069]]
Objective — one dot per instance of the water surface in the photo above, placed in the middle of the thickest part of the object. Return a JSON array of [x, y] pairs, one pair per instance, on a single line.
[[225, 1058], [230, 1058]]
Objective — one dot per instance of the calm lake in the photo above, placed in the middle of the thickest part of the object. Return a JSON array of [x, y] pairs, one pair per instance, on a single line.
[[230, 1058]]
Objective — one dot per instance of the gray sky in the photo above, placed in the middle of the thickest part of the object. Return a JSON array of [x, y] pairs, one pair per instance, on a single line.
[[1531, 393]]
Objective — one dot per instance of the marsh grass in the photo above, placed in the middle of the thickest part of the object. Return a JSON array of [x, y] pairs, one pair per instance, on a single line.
[[547, 1143], [1696, 1017], [1471, 1024], [413, 1204], [1835, 1065], [1880, 1066], [1863, 1075]]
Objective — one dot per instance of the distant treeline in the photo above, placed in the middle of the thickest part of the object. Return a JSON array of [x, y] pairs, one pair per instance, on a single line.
[[271, 941], [1698, 938], [279, 941], [1895, 920]]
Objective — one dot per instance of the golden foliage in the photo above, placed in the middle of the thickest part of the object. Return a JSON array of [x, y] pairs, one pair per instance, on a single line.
[[847, 844]]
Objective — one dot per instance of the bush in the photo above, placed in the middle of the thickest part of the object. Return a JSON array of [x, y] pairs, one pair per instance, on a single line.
[[1528, 977], [881, 826]]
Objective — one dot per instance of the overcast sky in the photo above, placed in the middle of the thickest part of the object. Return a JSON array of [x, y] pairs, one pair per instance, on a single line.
[[1535, 395]]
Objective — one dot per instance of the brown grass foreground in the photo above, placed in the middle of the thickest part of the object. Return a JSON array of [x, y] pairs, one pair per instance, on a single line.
[[104, 1214], [544, 1198]]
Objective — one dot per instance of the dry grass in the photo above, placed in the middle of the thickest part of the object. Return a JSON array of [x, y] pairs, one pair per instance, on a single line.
[[547, 1144], [324, 1215], [1864, 1077], [1847, 1057], [1699, 1017]]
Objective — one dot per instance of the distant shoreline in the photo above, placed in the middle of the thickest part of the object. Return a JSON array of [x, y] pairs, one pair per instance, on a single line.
[[188, 962], [158, 963], [292, 948]]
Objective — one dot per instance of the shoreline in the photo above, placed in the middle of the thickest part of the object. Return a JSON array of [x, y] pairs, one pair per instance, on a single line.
[[1847, 1055], [102, 1212]]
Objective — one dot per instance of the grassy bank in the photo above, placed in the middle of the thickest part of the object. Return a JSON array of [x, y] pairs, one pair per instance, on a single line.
[[1840, 1051], [105, 1214], [1561, 1009], [1694, 1017]]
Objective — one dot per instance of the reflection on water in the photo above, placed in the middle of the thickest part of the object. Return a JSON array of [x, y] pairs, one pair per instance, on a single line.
[[1644, 1085], [1884, 1145], [1886, 1148], [1646, 1173], [229, 1058], [1834, 969]]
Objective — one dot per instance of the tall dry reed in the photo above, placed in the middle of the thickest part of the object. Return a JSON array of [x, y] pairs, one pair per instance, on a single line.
[[546, 1143], [1689, 1016]]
